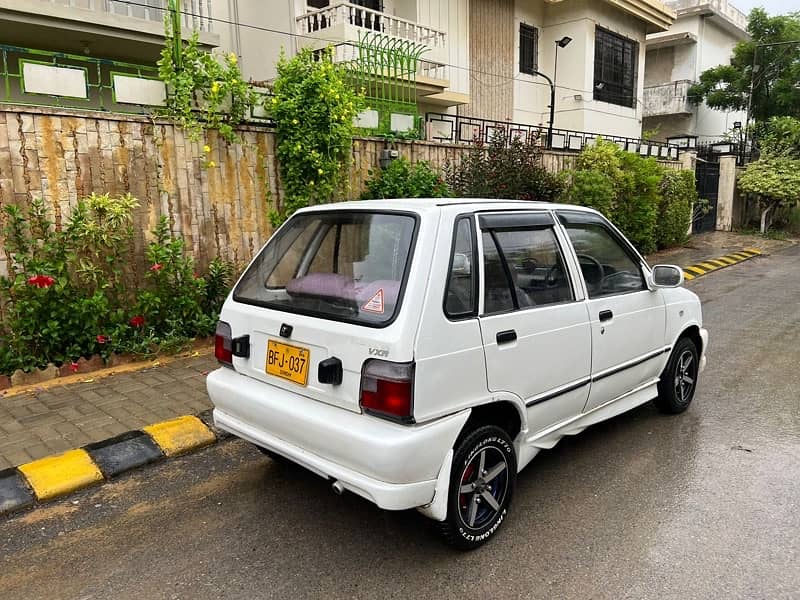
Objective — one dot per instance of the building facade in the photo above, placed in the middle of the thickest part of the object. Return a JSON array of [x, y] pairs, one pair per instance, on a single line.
[[483, 59], [703, 36]]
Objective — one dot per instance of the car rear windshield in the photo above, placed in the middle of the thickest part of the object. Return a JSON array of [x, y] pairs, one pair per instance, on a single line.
[[348, 266]]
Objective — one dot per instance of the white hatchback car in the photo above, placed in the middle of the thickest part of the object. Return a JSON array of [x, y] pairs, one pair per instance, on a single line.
[[420, 353]]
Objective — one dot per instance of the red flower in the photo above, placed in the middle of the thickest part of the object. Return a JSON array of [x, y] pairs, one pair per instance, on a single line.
[[156, 267], [74, 367], [41, 281], [102, 339], [137, 321]]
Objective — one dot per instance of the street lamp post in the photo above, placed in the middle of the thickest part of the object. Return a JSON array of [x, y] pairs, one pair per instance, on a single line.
[[562, 43], [551, 82]]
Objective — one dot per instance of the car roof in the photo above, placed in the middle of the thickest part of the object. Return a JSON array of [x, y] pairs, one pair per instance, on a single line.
[[428, 204]]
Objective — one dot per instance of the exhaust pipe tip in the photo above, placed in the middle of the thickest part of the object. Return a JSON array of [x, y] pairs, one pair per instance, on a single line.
[[338, 488]]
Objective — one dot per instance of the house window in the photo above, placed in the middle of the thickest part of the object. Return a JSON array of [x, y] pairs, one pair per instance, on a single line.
[[528, 49], [615, 68]]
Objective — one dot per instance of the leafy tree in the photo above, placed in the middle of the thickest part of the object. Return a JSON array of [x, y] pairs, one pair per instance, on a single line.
[[781, 135], [774, 83], [775, 181]]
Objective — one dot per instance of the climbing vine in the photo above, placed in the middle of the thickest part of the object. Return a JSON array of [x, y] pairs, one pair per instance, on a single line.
[[313, 106], [204, 91]]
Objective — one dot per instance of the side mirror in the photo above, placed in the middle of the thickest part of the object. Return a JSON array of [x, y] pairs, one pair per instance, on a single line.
[[666, 276]]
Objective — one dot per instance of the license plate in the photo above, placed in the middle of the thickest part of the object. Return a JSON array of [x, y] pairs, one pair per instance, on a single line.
[[287, 362]]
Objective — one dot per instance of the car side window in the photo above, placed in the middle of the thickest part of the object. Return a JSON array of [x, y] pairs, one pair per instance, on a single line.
[[497, 296], [460, 296], [607, 267], [528, 269]]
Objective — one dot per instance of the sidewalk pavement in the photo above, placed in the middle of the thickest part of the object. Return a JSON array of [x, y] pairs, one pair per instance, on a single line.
[[703, 246], [54, 418]]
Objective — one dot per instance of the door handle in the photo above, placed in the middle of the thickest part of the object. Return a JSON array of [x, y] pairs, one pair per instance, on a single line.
[[506, 337], [606, 315]]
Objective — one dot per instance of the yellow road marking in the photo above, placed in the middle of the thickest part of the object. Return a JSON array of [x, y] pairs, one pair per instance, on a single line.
[[180, 435], [696, 270], [708, 266], [717, 263], [61, 474], [753, 250], [688, 276], [726, 260]]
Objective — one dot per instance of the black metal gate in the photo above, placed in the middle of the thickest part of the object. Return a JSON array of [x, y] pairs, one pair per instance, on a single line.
[[707, 181]]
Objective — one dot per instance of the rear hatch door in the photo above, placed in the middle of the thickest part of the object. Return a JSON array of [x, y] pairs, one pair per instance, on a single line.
[[328, 285]]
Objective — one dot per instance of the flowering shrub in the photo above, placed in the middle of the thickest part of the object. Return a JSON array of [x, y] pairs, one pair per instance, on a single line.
[[67, 296], [174, 299], [313, 107], [226, 99]]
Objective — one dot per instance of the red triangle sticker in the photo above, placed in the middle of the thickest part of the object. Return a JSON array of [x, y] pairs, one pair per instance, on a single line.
[[375, 304]]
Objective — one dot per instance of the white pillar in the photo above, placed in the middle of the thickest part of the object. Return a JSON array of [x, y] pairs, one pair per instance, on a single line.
[[727, 189]]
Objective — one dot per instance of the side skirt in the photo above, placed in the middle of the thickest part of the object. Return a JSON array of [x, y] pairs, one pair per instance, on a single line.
[[549, 437]]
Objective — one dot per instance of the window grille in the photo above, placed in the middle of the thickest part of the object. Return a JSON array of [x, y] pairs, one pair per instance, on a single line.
[[615, 68], [528, 49]]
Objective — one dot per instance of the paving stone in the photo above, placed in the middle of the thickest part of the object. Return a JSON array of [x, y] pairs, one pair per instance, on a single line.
[[69, 416]]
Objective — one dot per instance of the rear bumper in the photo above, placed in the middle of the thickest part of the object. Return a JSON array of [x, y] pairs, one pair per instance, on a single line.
[[394, 466]]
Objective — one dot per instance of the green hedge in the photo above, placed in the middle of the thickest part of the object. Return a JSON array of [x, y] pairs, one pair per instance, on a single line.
[[402, 179], [650, 204]]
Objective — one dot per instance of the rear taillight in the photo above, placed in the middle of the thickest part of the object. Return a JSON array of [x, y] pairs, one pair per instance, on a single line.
[[387, 390], [223, 344]]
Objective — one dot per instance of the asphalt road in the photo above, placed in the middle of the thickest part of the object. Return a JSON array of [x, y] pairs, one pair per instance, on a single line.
[[702, 505]]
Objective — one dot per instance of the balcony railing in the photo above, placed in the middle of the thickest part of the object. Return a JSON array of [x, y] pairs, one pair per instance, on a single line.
[[722, 7], [347, 13], [667, 99], [196, 13]]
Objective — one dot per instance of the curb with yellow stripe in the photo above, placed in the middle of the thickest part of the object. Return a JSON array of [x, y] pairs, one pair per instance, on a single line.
[[715, 264], [61, 474]]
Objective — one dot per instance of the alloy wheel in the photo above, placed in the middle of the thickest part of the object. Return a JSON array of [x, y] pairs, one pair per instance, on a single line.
[[685, 376], [483, 488]]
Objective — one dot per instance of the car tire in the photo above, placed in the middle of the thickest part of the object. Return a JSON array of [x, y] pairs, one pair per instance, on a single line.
[[479, 499], [679, 380]]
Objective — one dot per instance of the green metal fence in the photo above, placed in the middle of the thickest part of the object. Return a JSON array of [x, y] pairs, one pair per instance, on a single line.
[[57, 81], [385, 68]]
